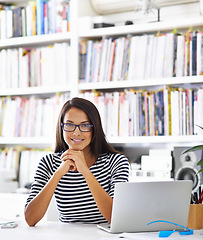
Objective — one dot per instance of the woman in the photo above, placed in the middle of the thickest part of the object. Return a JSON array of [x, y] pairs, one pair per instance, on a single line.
[[81, 173]]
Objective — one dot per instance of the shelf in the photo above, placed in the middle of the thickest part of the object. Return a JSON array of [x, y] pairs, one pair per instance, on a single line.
[[141, 83], [34, 90], [35, 40], [149, 140], [37, 141], [140, 140], [143, 28]]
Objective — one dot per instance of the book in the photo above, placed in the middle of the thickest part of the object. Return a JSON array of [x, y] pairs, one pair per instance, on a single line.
[[28, 10], [180, 56], [125, 64], [9, 114], [93, 62], [194, 53], [9, 22], [23, 54], [3, 23], [88, 60], [82, 58], [24, 22], [149, 56], [39, 16], [110, 60], [132, 59], [169, 55], [34, 17], [174, 54], [17, 21], [96, 61], [199, 111], [187, 54], [116, 59], [123, 115], [103, 60], [199, 53], [120, 58], [141, 57]]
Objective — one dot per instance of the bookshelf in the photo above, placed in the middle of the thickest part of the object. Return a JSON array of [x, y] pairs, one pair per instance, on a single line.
[[74, 36], [41, 91], [78, 10], [103, 87], [17, 146]]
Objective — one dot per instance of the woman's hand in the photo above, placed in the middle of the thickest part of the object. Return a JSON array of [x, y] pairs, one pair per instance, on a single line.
[[66, 166], [77, 160]]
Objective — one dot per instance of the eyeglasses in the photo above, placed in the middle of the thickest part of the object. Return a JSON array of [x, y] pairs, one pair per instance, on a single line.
[[70, 127]]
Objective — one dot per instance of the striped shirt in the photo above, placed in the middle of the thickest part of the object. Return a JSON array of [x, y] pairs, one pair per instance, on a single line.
[[75, 202]]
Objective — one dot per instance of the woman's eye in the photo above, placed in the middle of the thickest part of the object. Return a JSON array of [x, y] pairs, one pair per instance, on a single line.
[[84, 125]]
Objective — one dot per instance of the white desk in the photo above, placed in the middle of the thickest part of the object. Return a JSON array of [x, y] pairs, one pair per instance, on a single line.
[[72, 231]]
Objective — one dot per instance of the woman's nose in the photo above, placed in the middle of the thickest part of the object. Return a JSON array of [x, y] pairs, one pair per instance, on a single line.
[[77, 130]]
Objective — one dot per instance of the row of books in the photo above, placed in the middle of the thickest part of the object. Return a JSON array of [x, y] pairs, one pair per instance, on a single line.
[[22, 162], [38, 17], [168, 111], [30, 117], [142, 57], [32, 67]]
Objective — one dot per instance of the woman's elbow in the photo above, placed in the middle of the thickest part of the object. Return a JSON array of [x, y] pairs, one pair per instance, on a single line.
[[28, 219]]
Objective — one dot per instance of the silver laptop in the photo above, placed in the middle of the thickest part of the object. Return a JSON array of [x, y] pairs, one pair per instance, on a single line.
[[136, 204]]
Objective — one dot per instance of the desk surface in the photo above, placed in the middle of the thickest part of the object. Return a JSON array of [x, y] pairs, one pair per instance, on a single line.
[[72, 231]]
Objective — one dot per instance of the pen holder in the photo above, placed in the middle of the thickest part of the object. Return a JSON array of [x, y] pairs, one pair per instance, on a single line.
[[195, 218]]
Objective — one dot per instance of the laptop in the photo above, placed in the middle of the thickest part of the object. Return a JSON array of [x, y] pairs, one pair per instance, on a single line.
[[136, 204]]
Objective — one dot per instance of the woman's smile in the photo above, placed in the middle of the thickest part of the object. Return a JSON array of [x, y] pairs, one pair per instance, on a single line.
[[77, 141]]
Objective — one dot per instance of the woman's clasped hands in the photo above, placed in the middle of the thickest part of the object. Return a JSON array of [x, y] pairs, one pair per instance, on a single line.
[[73, 160]]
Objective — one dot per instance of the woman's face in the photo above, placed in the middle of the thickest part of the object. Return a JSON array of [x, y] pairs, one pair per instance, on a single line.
[[76, 139]]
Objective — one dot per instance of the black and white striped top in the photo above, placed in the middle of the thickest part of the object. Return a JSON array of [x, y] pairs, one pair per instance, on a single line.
[[75, 202]]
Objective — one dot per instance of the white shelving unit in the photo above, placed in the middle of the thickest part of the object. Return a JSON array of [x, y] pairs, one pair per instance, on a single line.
[[142, 83], [36, 40], [42, 91], [180, 24], [83, 8]]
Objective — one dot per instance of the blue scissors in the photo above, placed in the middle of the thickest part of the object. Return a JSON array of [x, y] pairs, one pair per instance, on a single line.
[[167, 233]]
